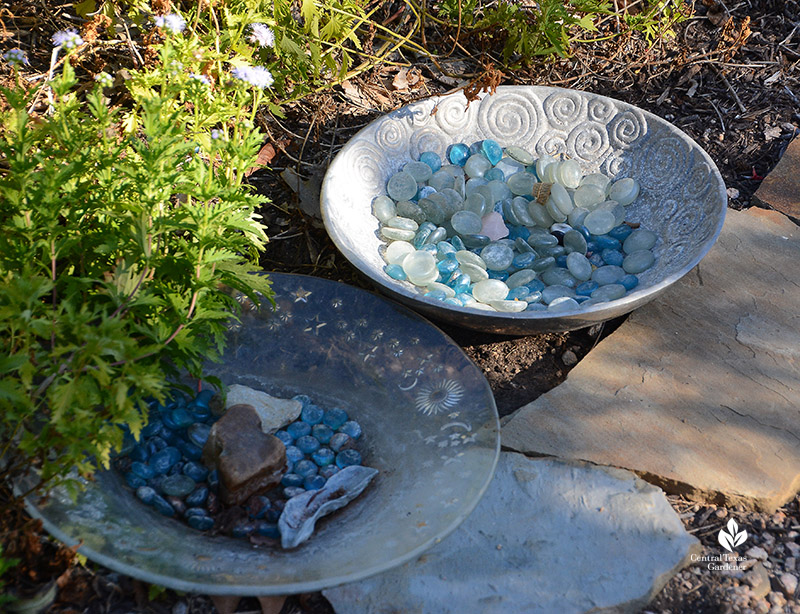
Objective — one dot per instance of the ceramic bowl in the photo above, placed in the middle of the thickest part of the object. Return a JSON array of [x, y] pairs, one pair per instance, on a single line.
[[430, 427], [683, 198]]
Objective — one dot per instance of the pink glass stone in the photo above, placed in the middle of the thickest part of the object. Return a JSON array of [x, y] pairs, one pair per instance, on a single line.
[[494, 227]]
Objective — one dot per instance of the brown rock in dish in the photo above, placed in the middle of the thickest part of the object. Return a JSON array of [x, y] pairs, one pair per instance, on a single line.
[[248, 461]]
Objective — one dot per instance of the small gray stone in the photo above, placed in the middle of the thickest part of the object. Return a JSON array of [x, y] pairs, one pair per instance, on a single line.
[[274, 412], [569, 358], [758, 580], [583, 539], [788, 584], [794, 548], [756, 552]]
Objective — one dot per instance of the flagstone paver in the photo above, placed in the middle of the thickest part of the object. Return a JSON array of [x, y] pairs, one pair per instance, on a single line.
[[548, 537], [780, 190], [698, 391]]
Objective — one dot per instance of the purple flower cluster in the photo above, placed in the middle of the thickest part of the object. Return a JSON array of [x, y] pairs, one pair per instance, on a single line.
[[173, 23], [104, 79], [257, 76], [16, 57], [200, 79], [68, 39], [261, 35]]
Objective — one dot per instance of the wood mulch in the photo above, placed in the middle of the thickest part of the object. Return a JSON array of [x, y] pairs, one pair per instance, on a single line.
[[729, 78]]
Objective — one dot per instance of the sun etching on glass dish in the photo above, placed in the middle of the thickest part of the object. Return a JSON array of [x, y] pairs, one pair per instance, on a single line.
[[438, 398]]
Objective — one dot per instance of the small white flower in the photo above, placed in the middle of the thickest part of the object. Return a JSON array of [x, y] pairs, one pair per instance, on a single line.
[[16, 57], [261, 35], [216, 134], [257, 76], [173, 23], [200, 78], [69, 39]]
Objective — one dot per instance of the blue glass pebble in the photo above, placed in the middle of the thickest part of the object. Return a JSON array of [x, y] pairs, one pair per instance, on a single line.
[[322, 432], [340, 441], [128, 443], [475, 241], [204, 397], [198, 434], [180, 417], [176, 468], [199, 412], [494, 174], [141, 470], [453, 301], [312, 414], [328, 470], [612, 256], [395, 271], [335, 418], [189, 450], [213, 480], [520, 292], [194, 511], [438, 295], [200, 523], [492, 151], [305, 468], [273, 514], [198, 497], [536, 307], [139, 453], [196, 471], [268, 529], [163, 460], [145, 494], [431, 159], [315, 482], [292, 479], [293, 491], [307, 444], [352, 428], [303, 398], [294, 454], [586, 288], [524, 260], [323, 456], [501, 275], [630, 281], [243, 529], [258, 506], [298, 429], [597, 260], [537, 285], [346, 458], [585, 232], [621, 232], [152, 428], [561, 261], [457, 243], [447, 266], [606, 242], [285, 437], [162, 506], [458, 154], [177, 485]]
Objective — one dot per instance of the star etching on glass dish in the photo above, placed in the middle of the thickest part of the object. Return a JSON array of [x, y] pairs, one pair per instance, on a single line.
[[301, 295], [439, 397], [313, 325]]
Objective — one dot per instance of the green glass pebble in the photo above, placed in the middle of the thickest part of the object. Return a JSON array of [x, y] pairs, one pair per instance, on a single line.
[[475, 273], [438, 287], [405, 208], [543, 264], [466, 222], [574, 241], [561, 199], [440, 234], [402, 186], [397, 234], [402, 223], [476, 166], [556, 276], [597, 179], [521, 184], [419, 171], [542, 164], [540, 215], [577, 216], [476, 203], [440, 180], [467, 257], [639, 239], [520, 278], [499, 190], [509, 306], [383, 208], [498, 257], [609, 292], [599, 221], [555, 213], [624, 191], [434, 212], [509, 216], [579, 266], [588, 196], [520, 155], [519, 206], [551, 293], [177, 485], [608, 274], [476, 241], [565, 303], [638, 261], [396, 251]]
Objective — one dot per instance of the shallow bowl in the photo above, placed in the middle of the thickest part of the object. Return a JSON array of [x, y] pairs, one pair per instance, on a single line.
[[430, 427], [683, 198]]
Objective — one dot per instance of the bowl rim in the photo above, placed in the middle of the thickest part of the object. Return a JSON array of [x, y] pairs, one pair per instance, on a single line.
[[484, 320]]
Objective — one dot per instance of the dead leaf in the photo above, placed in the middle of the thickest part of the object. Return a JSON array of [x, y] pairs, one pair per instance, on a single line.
[[307, 190], [400, 81], [264, 157], [772, 133]]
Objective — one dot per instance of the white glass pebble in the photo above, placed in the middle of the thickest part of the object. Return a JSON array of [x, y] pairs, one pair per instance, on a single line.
[[475, 273], [476, 166], [510, 167], [624, 191], [467, 257], [449, 292], [597, 179], [565, 303], [555, 212], [586, 196], [397, 234], [466, 222], [520, 278], [420, 267], [520, 155], [569, 174], [561, 199], [397, 251], [402, 223], [542, 164], [418, 170], [383, 208], [521, 184], [472, 185], [599, 221], [490, 290], [440, 180], [402, 186], [504, 306]]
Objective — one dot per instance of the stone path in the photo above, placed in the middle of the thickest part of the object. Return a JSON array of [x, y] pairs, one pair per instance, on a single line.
[[698, 391], [548, 536], [780, 190]]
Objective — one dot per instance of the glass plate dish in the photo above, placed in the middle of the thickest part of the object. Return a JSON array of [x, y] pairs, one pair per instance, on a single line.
[[430, 428]]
